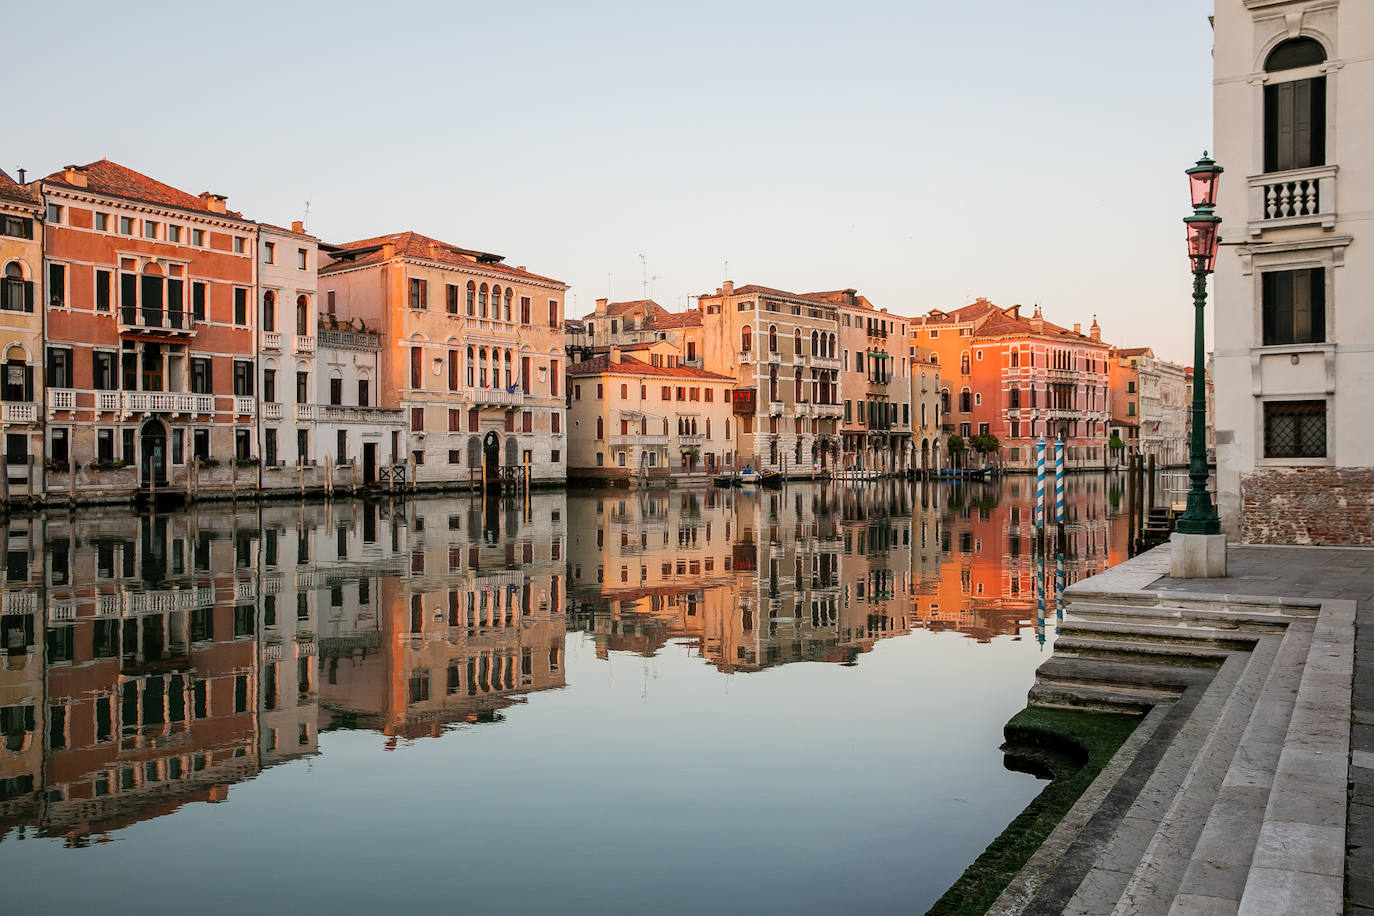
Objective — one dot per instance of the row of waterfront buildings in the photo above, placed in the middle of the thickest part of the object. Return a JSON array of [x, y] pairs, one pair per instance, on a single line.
[[154, 339]]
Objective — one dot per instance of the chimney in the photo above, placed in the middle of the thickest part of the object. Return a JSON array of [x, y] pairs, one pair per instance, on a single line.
[[728, 288], [1094, 331], [601, 305], [21, 175], [1037, 321], [615, 354], [215, 203], [1078, 329], [72, 174], [388, 250], [1015, 310], [298, 226]]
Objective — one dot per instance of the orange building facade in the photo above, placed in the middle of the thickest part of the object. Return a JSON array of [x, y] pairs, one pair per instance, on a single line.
[[150, 350], [1020, 379]]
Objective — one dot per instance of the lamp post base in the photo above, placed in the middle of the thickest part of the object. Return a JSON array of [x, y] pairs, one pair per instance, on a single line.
[[1197, 556]]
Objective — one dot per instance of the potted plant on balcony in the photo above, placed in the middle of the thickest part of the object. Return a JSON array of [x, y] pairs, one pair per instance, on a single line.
[[114, 464]]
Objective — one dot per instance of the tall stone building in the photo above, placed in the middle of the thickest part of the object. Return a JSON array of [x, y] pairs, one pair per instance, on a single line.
[[472, 350], [21, 333], [1294, 348], [783, 350]]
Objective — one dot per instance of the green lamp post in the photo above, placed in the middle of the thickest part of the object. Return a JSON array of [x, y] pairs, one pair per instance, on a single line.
[[1200, 516]]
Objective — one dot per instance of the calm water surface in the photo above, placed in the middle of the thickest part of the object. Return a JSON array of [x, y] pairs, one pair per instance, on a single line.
[[664, 701]]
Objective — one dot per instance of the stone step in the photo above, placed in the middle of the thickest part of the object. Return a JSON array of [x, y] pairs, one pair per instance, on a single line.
[[1091, 699], [1160, 615], [1084, 646], [1153, 634]]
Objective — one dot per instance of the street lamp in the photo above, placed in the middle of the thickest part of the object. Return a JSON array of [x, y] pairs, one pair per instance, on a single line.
[[1200, 516]]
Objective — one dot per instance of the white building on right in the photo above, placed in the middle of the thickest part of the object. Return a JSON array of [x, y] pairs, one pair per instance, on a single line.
[[1294, 345]]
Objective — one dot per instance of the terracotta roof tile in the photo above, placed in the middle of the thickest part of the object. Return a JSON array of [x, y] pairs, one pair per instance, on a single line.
[[106, 177], [690, 319], [13, 190], [415, 245], [599, 365], [619, 308]]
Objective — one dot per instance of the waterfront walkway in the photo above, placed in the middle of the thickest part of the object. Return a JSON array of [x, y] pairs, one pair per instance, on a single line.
[[1248, 787], [1323, 572]]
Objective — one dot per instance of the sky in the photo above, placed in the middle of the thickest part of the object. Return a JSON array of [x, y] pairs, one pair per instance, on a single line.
[[924, 153]]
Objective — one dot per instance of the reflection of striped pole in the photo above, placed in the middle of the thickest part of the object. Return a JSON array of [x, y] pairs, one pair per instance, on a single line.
[[1059, 585], [1040, 597], [1059, 481], [1039, 485]]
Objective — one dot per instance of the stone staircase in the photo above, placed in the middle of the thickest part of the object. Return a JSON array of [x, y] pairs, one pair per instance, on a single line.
[[1230, 797]]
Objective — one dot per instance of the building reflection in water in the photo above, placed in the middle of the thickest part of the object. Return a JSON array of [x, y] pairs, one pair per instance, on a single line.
[[154, 661]]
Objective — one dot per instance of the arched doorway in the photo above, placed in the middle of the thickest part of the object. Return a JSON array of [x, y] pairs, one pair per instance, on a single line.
[[925, 456], [491, 457], [512, 452], [153, 454]]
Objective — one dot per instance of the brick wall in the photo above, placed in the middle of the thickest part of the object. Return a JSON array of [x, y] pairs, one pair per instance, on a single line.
[[1325, 506]]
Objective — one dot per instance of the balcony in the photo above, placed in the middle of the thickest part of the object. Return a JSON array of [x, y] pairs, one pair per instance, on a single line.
[[304, 344], [646, 440], [1298, 197], [337, 413], [61, 399], [495, 396], [159, 323], [825, 362], [745, 357], [271, 340], [245, 407], [271, 410], [305, 412], [166, 402], [21, 413], [687, 440], [107, 401]]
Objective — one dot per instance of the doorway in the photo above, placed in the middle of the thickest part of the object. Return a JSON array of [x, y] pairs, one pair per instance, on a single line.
[[153, 455], [369, 463], [491, 457]]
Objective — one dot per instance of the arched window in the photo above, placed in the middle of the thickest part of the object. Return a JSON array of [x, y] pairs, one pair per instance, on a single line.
[[815, 342], [746, 341], [964, 364], [303, 316], [18, 380], [482, 301], [772, 338], [600, 428], [510, 379], [1295, 111], [772, 383], [797, 384], [965, 401], [833, 350], [269, 311], [796, 342], [471, 370], [18, 292], [944, 400], [496, 301], [482, 367], [506, 312], [472, 298]]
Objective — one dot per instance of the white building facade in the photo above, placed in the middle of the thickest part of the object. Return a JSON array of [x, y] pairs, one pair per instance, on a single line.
[[1294, 357]]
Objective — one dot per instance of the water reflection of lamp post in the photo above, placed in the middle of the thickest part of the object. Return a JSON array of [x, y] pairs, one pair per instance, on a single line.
[[1200, 547]]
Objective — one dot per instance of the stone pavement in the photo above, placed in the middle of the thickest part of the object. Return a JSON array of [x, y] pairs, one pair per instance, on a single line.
[[1321, 573]]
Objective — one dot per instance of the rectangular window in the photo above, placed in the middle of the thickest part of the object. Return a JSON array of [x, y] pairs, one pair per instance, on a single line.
[[240, 305], [198, 238], [103, 290], [302, 259], [417, 419], [17, 226], [174, 234], [302, 387], [197, 299], [419, 295], [269, 386], [201, 377], [1295, 125], [341, 447], [451, 298], [524, 309], [60, 371], [1293, 303], [240, 244], [57, 285], [103, 373], [243, 378], [336, 391], [362, 392], [269, 252], [1295, 429], [553, 313], [150, 228], [54, 214], [126, 225]]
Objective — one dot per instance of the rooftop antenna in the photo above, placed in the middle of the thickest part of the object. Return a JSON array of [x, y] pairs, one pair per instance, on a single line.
[[305, 220], [727, 269], [644, 275], [652, 280]]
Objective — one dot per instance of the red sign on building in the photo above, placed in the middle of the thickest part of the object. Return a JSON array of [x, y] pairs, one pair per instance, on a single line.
[[743, 401]]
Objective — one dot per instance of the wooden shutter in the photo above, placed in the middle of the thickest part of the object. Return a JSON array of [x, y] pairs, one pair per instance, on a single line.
[[28, 295], [1295, 125]]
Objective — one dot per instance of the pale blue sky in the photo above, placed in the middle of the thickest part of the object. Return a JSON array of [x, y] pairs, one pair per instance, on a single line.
[[922, 152]]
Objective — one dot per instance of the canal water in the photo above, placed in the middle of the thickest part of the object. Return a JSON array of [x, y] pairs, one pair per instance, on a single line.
[[590, 702]]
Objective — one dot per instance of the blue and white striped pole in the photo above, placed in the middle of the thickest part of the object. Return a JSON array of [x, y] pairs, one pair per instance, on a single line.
[[1039, 487], [1040, 597], [1059, 482]]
